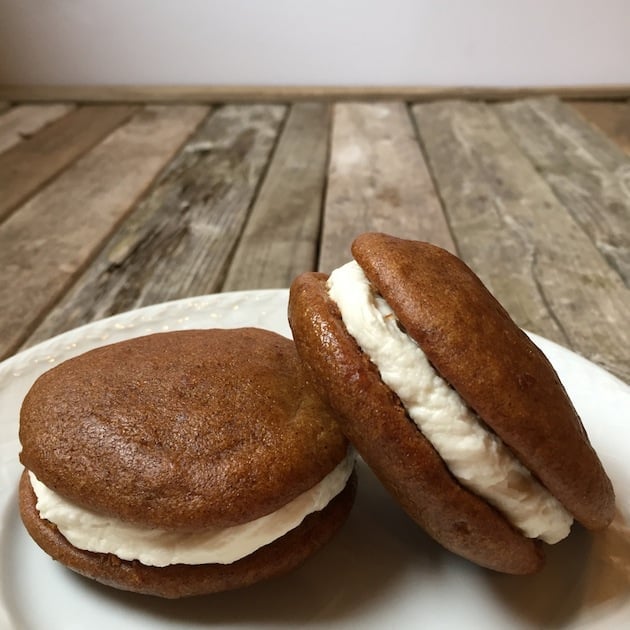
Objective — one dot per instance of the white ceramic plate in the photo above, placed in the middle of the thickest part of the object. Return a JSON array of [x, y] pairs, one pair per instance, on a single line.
[[380, 572]]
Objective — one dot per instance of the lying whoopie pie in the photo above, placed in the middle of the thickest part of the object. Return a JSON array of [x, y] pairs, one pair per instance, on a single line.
[[458, 413], [182, 463]]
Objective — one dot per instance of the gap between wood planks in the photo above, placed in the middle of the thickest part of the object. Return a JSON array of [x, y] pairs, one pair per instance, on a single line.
[[552, 279], [23, 121], [178, 240], [29, 165], [280, 238], [46, 243], [377, 181]]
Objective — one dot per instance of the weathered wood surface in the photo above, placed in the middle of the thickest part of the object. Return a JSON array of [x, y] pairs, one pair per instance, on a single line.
[[25, 120], [612, 118], [50, 239], [588, 172], [179, 239], [526, 246], [262, 192], [377, 181], [27, 166], [282, 233]]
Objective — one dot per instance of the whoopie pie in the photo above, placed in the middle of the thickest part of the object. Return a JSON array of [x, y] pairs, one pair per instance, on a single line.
[[459, 414], [182, 463]]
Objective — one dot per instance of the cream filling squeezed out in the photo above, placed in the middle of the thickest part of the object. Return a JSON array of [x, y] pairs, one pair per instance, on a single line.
[[90, 531], [475, 456]]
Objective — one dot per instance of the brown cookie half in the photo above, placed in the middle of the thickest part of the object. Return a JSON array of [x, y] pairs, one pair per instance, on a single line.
[[437, 298], [180, 580], [182, 431]]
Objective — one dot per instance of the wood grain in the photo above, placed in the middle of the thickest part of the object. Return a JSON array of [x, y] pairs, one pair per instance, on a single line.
[[588, 172], [25, 120], [610, 117], [378, 181], [177, 242], [281, 235], [49, 240], [525, 245], [30, 164]]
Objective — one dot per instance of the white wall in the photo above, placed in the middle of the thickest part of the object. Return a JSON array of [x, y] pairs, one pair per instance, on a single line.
[[315, 42]]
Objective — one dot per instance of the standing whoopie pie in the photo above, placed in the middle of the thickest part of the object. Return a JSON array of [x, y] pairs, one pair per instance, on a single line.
[[459, 414], [182, 463]]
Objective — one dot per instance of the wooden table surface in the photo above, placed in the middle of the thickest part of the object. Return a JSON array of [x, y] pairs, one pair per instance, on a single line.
[[105, 208]]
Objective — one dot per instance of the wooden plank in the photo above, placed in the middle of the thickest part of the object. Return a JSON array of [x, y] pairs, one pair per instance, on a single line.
[[378, 181], [277, 93], [610, 117], [25, 120], [588, 172], [178, 240], [45, 244], [281, 235], [527, 248], [30, 164]]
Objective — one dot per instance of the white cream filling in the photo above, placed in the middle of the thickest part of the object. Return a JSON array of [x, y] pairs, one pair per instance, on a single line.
[[475, 456], [90, 531]]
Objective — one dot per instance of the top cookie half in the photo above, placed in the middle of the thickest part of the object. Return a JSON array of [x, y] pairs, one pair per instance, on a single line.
[[180, 430]]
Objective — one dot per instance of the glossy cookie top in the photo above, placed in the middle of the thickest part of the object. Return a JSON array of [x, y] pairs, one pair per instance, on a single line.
[[183, 430]]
